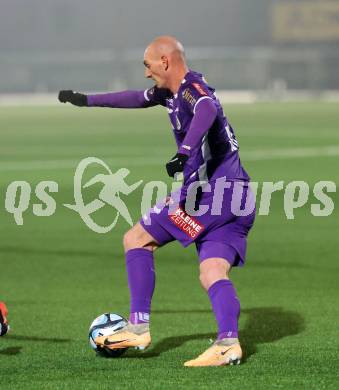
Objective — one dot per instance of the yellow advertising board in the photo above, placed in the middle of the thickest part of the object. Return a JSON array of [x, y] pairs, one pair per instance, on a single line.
[[313, 20]]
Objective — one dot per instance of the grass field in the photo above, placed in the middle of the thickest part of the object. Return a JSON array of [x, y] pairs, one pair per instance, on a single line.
[[56, 275]]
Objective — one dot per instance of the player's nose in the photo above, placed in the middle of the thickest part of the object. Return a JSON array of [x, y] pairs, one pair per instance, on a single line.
[[148, 73]]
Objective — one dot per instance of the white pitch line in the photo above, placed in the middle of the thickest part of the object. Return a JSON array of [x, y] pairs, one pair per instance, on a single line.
[[289, 153], [256, 155], [299, 134], [69, 164]]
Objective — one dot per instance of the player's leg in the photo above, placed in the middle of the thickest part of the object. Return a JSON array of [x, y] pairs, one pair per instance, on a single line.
[[214, 277], [139, 246], [4, 327], [220, 249]]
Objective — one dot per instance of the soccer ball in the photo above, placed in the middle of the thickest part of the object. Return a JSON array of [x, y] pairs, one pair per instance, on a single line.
[[106, 325]]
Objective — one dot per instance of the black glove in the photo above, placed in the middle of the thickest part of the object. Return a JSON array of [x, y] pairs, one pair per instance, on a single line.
[[78, 99], [176, 164]]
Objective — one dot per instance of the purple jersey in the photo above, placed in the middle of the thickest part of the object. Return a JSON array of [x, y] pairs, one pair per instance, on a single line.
[[213, 154], [217, 152]]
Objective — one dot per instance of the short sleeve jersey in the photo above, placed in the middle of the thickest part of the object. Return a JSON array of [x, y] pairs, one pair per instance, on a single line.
[[217, 152]]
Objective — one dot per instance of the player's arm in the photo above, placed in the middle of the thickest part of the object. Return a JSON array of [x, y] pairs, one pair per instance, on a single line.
[[205, 113], [124, 99]]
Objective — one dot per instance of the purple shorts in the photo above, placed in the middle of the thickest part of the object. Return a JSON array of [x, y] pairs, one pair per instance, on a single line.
[[219, 232]]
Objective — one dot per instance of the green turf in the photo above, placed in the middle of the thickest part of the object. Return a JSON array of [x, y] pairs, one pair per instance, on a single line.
[[56, 275]]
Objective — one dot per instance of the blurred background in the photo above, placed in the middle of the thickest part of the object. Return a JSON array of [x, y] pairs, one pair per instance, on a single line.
[[269, 49]]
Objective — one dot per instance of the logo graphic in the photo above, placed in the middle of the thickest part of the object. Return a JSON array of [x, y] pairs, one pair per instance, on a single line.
[[186, 223], [188, 96], [113, 185], [199, 88], [22, 197]]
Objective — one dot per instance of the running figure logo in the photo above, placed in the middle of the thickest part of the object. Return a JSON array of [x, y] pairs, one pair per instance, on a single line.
[[113, 185]]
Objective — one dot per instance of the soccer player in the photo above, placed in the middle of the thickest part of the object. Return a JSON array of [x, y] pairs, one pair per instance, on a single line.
[[4, 327], [207, 152]]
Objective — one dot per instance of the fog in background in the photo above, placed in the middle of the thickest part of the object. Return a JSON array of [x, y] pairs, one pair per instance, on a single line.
[[47, 45]]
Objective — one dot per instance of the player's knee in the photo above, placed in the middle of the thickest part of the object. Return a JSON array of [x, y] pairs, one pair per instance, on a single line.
[[136, 237], [212, 272], [207, 279], [129, 240], [203, 280]]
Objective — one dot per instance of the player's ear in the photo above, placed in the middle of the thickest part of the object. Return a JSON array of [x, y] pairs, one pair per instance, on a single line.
[[164, 61]]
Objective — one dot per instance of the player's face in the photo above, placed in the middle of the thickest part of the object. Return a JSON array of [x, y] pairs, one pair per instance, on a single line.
[[156, 68]]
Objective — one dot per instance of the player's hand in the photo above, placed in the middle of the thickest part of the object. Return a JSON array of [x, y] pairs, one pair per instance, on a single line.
[[176, 164], [78, 99]]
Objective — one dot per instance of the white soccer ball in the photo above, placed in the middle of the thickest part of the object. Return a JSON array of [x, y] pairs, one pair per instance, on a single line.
[[106, 325]]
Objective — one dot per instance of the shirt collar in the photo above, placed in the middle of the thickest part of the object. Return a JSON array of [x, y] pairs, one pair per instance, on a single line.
[[183, 81]]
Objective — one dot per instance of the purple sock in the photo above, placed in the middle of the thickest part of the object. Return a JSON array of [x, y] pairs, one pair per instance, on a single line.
[[141, 282], [226, 307]]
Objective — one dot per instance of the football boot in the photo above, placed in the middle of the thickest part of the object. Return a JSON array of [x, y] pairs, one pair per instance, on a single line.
[[137, 336], [221, 353]]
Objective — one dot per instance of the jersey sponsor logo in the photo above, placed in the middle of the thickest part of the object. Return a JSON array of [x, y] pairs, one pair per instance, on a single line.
[[199, 89], [186, 223], [188, 97]]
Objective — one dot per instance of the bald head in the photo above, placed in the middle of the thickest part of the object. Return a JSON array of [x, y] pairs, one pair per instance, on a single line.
[[165, 63], [166, 46]]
